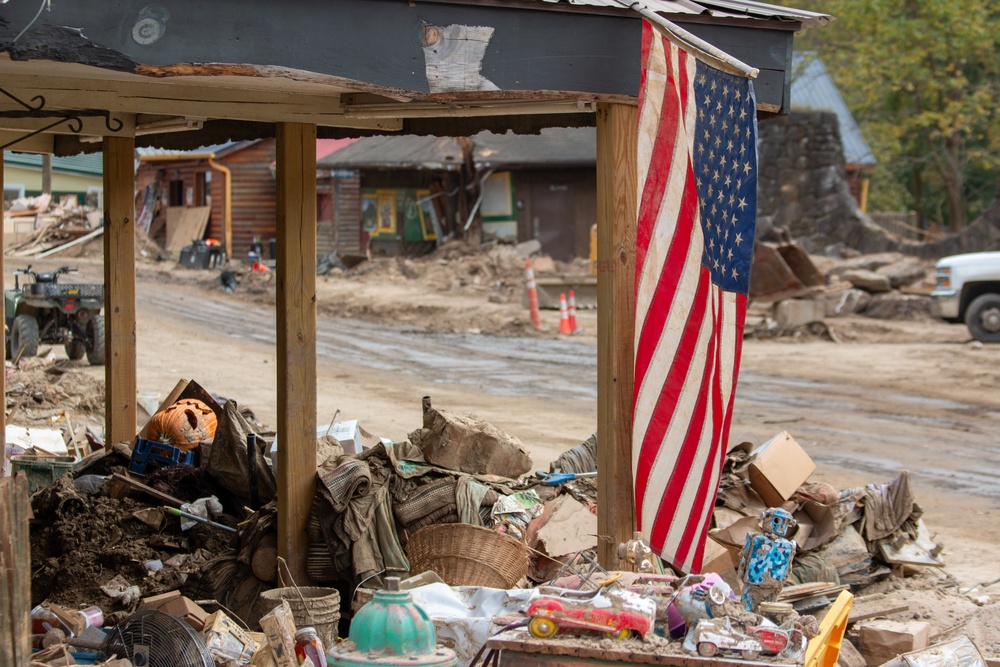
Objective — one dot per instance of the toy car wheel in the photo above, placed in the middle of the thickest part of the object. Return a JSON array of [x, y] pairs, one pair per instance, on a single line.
[[543, 628], [24, 337], [749, 654], [624, 633], [707, 649]]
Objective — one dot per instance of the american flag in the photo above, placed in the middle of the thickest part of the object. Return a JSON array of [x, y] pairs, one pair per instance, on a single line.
[[697, 210]]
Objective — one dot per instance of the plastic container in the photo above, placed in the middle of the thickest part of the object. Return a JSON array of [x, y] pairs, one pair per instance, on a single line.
[[309, 645], [41, 470], [93, 617]]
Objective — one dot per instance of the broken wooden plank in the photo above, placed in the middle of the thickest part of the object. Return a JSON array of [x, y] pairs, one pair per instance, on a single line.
[[873, 606], [80, 239], [116, 490]]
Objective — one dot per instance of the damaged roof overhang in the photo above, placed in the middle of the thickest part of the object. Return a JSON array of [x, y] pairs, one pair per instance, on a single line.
[[352, 67]]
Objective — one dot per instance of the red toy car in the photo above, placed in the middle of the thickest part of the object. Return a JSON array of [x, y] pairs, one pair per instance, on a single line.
[[616, 613], [718, 634]]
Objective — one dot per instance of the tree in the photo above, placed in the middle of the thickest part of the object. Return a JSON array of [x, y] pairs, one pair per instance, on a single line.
[[923, 79]]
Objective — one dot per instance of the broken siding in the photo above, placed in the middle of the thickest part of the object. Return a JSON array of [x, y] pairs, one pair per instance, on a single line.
[[339, 213], [161, 175]]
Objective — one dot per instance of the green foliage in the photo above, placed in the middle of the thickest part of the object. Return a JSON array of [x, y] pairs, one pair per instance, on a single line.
[[923, 80]]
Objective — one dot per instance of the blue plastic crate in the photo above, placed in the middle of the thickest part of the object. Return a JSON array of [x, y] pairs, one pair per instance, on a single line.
[[150, 454]]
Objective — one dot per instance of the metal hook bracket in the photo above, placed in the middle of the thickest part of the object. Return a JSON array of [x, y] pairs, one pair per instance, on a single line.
[[73, 118]]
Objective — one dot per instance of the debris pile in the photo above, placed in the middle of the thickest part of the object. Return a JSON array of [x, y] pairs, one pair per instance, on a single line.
[[40, 227], [885, 286], [178, 529]]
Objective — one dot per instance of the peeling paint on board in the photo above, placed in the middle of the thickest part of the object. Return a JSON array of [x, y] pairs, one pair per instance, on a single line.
[[453, 57]]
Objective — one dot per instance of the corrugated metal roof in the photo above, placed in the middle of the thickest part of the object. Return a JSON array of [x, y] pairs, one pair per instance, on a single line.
[[555, 146], [406, 152], [743, 9], [88, 164], [814, 89], [214, 148]]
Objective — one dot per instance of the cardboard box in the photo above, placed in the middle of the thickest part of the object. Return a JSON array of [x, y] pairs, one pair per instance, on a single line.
[[779, 467], [227, 640], [722, 560], [175, 604], [883, 640], [817, 525]]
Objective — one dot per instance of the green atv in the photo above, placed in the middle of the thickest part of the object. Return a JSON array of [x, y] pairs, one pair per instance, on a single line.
[[43, 311]]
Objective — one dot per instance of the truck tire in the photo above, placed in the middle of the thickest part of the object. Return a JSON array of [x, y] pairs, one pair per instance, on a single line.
[[983, 318], [24, 337], [95, 332]]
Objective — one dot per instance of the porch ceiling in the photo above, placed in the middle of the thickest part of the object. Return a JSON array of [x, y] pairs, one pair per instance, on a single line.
[[185, 73]]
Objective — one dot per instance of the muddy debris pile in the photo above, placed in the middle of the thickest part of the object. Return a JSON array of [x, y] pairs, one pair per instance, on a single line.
[[41, 227], [179, 529], [800, 295]]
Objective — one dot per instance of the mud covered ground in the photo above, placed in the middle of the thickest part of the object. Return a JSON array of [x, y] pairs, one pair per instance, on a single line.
[[891, 395]]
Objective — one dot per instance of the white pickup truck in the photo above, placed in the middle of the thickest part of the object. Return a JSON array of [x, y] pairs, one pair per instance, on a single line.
[[968, 290]]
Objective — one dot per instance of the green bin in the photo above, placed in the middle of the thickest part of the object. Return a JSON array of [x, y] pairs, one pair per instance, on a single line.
[[41, 470]]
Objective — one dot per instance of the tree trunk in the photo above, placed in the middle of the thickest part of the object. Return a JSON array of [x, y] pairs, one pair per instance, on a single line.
[[950, 168]]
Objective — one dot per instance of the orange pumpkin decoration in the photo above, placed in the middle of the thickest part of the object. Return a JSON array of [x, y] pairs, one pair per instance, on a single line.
[[184, 424]]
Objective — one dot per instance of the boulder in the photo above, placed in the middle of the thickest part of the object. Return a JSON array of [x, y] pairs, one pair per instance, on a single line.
[[896, 306], [847, 302], [904, 273], [469, 444], [869, 281]]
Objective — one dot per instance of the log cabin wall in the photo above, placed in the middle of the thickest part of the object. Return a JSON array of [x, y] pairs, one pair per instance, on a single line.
[[253, 194]]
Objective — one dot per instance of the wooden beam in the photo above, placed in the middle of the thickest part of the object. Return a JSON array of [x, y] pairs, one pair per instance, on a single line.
[[15, 573], [3, 306], [617, 174], [119, 288], [296, 333]]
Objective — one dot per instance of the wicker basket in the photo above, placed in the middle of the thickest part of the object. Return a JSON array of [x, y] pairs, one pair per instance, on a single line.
[[467, 555]]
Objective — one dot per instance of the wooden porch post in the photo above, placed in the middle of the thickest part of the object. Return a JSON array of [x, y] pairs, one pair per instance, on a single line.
[[3, 306], [119, 288], [617, 133], [296, 332]]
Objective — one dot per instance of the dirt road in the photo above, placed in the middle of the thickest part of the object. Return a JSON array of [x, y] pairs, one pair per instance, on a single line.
[[893, 396]]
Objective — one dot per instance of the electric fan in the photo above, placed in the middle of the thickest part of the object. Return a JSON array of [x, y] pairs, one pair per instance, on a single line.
[[154, 639]]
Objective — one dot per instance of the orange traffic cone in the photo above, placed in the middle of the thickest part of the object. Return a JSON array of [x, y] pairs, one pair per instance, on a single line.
[[536, 317], [564, 316], [572, 312]]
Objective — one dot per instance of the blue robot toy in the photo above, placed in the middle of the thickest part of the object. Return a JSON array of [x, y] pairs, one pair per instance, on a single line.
[[766, 558]]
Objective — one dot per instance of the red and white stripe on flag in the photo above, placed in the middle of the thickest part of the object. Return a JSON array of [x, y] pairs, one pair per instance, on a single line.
[[697, 211]]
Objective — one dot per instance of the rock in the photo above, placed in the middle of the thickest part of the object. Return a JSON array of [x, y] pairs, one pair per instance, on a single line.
[[543, 264], [471, 445], [849, 655], [872, 262], [790, 313], [848, 302], [904, 273], [868, 280], [528, 248], [896, 306]]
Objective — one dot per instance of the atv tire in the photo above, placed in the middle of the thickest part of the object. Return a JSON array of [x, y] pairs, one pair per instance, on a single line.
[[76, 349], [95, 334], [24, 337]]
